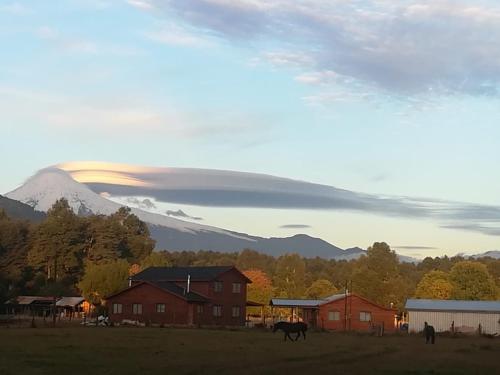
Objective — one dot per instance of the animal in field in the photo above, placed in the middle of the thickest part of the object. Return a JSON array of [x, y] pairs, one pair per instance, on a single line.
[[430, 333], [287, 328]]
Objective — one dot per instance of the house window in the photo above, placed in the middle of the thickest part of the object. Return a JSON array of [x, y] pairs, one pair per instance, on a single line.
[[333, 315], [217, 310], [236, 287], [218, 286], [199, 309], [236, 312], [160, 307], [117, 308], [137, 309], [365, 316]]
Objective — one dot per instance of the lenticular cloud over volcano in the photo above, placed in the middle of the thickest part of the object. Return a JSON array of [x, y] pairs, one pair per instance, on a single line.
[[219, 188]]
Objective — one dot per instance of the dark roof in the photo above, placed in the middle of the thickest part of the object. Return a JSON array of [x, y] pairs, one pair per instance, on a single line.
[[181, 273], [180, 291], [168, 287]]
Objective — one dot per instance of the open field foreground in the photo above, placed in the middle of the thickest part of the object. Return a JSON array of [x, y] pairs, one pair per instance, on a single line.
[[191, 351]]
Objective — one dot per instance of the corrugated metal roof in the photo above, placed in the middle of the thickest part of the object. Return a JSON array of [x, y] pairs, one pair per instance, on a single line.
[[334, 297], [28, 300], [452, 305], [285, 302], [70, 301]]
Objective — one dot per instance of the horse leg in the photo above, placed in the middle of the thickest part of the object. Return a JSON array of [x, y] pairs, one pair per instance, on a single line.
[[290, 337], [286, 334], [304, 334], [298, 335]]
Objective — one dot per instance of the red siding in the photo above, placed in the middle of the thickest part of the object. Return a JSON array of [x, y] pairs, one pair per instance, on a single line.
[[178, 310], [355, 305], [227, 299]]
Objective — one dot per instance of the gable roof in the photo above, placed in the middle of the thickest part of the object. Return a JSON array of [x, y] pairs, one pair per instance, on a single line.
[[287, 302], [452, 305], [168, 287], [206, 273], [70, 301], [337, 297]]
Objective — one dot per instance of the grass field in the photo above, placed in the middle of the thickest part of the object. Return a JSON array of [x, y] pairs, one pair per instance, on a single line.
[[78, 350]]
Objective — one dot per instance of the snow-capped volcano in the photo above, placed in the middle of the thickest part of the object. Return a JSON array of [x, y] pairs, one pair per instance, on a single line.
[[50, 184]]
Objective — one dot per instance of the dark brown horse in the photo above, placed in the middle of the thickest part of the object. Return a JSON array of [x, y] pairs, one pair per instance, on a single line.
[[288, 328]]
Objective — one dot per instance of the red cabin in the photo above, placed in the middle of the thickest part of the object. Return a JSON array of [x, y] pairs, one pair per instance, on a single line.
[[182, 295], [352, 312]]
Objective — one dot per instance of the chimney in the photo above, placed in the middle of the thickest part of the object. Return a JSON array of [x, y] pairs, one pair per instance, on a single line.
[[188, 283]]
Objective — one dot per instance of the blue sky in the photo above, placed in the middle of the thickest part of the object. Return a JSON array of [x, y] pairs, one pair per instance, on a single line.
[[380, 97]]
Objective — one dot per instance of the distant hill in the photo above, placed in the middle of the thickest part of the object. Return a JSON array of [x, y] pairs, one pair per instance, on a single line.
[[492, 254], [21, 211]]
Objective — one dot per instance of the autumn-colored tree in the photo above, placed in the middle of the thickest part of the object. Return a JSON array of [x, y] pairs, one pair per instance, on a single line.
[[102, 280], [320, 289], [261, 288], [472, 281], [434, 285], [289, 276], [155, 259]]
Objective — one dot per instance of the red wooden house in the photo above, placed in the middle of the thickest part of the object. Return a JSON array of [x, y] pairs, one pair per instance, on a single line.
[[182, 295], [353, 312]]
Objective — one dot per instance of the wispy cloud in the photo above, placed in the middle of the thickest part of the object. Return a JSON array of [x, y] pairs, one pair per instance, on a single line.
[[176, 35], [295, 226], [217, 188], [15, 8], [414, 247], [182, 214], [404, 48]]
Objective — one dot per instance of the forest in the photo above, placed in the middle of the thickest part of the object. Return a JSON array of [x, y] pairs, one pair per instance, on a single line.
[[66, 254]]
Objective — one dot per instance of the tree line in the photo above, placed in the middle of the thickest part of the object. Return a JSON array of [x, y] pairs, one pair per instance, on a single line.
[[67, 254]]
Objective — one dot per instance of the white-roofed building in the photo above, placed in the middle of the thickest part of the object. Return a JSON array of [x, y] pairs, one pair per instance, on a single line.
[[454, 315]]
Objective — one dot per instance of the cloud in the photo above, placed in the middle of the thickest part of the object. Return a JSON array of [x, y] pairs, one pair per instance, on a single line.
[[217, 188], [15, 8], [176, 35], [414, 247], [143, 204], [180, 213], [402, 47], [141, 4], [295, 226]]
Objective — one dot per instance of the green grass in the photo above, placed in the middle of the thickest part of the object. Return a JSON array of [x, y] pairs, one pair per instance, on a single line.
[[91, 350]]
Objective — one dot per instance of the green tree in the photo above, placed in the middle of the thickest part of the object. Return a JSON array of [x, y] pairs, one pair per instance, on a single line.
[[136, 241], [102, 280], [472, 281], [435, 285], [155, 259], [289, 276], [320, 289], [378, 278], [58, 243]]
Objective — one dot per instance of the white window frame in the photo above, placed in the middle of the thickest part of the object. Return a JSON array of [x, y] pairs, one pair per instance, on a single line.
[[236, 287], [199, 309], [117, 308], [217, 311], [236, 309], [218, 285], [137, 308], [333, 315], [365, 316], [160, 308]]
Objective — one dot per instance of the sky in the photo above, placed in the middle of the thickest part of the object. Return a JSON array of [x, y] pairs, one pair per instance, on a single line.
[[395, 103]]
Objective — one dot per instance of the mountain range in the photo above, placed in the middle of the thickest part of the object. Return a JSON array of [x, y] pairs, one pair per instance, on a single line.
[[40, 191]]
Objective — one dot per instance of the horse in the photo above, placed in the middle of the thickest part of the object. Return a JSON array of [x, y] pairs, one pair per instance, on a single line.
[[287, 328], [430, 333]]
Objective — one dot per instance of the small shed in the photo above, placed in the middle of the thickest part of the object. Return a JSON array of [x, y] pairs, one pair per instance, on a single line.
[[304, 309], [454, 315]]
